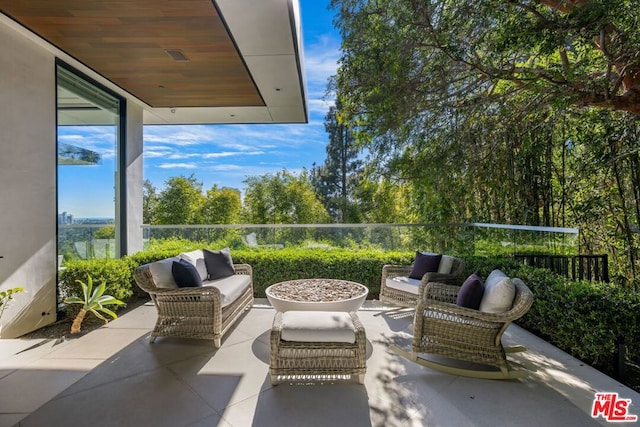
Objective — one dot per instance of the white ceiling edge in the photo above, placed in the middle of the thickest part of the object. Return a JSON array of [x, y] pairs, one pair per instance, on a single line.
[[268, 36]]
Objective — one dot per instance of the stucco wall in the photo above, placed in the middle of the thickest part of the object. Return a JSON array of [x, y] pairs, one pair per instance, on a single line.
[[27, 182], [134, 178]]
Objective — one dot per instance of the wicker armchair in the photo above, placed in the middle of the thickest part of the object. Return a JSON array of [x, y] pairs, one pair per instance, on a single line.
[[408, 297], [443, 328], [196, 312]]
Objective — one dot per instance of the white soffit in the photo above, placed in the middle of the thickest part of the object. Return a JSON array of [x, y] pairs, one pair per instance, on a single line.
[[268, 36]]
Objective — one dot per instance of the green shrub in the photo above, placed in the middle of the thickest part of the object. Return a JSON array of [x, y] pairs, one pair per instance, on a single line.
[[115, 272], [362, 266], [584, 318]]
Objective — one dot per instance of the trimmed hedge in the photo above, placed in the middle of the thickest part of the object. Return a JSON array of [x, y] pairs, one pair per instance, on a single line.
[[117, 273], [364, 266], [269, 267], [583, 318]]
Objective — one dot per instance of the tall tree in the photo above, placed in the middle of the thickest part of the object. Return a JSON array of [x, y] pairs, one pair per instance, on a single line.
[[149, 202], [509, 111], [440, 52], [221, 206], [337, 179], [282, 198], [180, 201]]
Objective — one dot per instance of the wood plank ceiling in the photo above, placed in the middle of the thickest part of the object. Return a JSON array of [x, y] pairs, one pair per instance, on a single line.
[[130, 42]]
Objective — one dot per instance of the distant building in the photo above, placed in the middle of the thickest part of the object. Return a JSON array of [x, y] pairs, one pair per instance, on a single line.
[[65, 218]]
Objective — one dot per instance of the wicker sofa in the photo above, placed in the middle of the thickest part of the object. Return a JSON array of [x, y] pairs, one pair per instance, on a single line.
[[195, 312]]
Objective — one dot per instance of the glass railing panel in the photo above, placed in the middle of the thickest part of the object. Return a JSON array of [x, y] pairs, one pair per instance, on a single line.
[[472, 239], [84, 241]]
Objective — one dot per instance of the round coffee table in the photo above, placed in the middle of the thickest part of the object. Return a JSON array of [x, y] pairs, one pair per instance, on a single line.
[[317, 295]]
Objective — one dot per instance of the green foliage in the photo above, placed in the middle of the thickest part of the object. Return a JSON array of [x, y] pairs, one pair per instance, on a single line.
[[405, 58], [171, 245], [383, 200], [585, 319], [107, 232], [362, 266], [221, 206], [478, 108], [8, 295], [180, 201], [282, 198], [335, 181], [116, 273], [149, 202], [92, 301]]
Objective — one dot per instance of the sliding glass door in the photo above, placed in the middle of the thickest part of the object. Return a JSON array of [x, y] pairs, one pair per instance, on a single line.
[[89, 142]]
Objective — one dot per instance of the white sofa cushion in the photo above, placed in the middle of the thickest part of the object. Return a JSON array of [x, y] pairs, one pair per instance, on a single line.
[[230, 287], [318, 326], [161, 273], [446, 263], [499, 292], [196, 258], [403, 283]]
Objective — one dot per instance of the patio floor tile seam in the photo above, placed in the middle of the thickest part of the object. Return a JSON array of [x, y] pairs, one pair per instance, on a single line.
[[65, 393], [178, 377]]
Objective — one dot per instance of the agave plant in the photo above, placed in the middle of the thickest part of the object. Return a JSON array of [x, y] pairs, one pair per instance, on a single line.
[[93, 301]]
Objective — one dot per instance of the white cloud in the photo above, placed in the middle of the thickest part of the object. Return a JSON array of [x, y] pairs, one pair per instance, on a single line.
[[320, 106], [178, 166], [227, 167], [320, 63], [180, 135], [154, 151], [321, 60], [231, 154]]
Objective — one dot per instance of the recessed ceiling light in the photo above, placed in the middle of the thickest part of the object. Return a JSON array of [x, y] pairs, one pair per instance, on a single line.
[[177, 55]]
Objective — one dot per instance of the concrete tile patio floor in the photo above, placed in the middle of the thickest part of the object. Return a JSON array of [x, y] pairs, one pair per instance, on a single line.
[[113, 376]]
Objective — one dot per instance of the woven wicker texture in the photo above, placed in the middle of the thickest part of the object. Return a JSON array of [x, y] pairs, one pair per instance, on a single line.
[[317, 360], [408, 299], [443, 328], [194, 312]]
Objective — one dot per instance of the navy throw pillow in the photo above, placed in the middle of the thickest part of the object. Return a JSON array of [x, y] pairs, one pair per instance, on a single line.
[[471, 291], [219, 263], [424, 263], [185, 274]]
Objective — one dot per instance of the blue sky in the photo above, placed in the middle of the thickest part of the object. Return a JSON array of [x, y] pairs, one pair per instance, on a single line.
[[223, 155]]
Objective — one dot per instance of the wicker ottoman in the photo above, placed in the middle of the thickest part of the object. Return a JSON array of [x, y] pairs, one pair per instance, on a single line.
[[320, 345]]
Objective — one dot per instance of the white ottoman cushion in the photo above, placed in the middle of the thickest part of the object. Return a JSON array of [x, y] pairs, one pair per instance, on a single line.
[[403, 283], [318, 326]]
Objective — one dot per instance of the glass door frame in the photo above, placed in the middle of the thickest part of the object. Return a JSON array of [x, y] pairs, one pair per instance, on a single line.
[[120, 208]]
